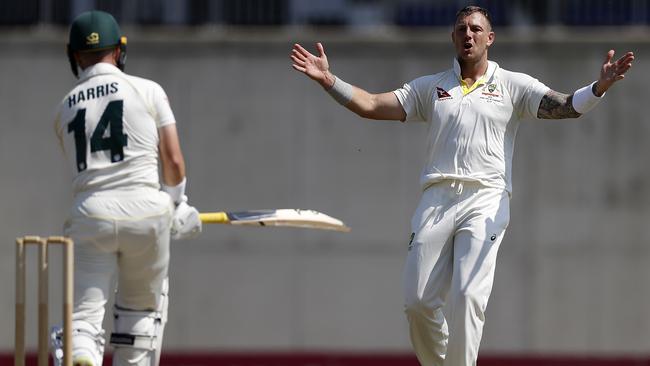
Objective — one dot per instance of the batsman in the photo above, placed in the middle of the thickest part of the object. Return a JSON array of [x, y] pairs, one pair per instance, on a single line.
[[115, 129], [473, 111]]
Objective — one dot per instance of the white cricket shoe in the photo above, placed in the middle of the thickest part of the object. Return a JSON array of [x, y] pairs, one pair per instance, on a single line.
[[83, 360]]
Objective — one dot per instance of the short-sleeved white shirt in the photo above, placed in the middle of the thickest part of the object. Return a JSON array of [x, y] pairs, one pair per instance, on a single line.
[[472, 136], [108, 127]]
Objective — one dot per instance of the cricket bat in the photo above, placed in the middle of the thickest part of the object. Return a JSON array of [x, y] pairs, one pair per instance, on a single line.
[[308, 219]]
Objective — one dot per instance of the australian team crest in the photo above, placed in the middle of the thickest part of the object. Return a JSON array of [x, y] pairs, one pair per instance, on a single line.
[[93, 38], [491, 94]]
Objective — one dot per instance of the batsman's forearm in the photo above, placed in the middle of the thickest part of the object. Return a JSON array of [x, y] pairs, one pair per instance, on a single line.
[[173, 176], [171, 156], [173, 167]]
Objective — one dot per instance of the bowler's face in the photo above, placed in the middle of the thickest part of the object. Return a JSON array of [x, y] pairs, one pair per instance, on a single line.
[[472, 36]]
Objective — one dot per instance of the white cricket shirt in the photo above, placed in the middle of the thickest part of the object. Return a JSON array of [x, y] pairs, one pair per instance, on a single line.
[[108, 128], [471, 136]]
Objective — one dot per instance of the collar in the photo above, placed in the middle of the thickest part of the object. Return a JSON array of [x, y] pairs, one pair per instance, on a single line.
[[492, 66], [98, 69]]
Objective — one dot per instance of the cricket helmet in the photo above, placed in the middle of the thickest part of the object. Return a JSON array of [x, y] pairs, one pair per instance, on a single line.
[[95, 30]]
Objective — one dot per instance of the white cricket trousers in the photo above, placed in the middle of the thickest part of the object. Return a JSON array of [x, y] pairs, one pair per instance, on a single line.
[[457, 229], [121, 239]]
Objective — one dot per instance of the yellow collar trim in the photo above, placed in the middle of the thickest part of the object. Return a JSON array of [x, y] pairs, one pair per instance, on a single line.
[[466, 89]]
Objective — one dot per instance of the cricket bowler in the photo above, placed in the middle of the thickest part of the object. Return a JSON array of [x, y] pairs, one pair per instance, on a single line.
[[473, 111]]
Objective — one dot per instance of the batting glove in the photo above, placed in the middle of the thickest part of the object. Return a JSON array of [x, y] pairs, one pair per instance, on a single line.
[[186, 223]]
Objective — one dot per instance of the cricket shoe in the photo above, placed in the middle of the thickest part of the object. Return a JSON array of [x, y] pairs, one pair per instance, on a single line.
[[83, 360]]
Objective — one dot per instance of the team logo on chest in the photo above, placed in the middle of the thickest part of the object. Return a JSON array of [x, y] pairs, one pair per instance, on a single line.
[[491, 94], [442, 93]]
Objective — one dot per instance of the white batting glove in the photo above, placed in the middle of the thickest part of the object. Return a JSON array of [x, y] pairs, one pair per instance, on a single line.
[[186, 223]]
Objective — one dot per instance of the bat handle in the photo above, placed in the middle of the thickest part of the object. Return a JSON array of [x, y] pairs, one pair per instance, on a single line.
[[214, 218]]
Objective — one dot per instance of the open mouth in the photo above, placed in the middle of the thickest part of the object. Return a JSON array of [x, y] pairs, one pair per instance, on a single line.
[[467, 45]]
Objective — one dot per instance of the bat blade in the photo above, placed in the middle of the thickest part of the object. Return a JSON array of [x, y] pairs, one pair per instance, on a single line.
[[308, 219]]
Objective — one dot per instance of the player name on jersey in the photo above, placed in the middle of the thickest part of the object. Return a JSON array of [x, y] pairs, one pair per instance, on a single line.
[[92, 93]]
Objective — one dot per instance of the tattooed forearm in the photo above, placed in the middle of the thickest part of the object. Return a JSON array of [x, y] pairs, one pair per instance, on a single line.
[[556, 105]]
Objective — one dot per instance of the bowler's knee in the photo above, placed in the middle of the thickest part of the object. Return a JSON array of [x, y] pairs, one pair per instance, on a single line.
[[471, 301], [417, 305]]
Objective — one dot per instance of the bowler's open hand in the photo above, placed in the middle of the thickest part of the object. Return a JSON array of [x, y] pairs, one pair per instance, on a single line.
[[612, 72], [316, 67]]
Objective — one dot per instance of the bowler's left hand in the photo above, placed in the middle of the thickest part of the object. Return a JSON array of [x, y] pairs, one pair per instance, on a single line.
[[612, 72]]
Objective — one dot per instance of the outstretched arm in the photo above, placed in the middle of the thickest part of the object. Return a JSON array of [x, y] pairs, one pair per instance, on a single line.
[[556, 105], [384, 106]]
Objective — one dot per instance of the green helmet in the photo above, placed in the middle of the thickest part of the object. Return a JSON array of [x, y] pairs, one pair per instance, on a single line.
[[93, 31]]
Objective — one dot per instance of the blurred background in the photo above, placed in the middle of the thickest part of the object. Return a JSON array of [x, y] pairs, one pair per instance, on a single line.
[[571, 284], [371, 13]]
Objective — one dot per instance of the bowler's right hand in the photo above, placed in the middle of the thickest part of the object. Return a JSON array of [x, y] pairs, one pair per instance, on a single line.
[[316, 67]]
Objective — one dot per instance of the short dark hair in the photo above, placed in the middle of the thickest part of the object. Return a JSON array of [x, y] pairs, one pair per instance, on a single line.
[[471, 9]]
